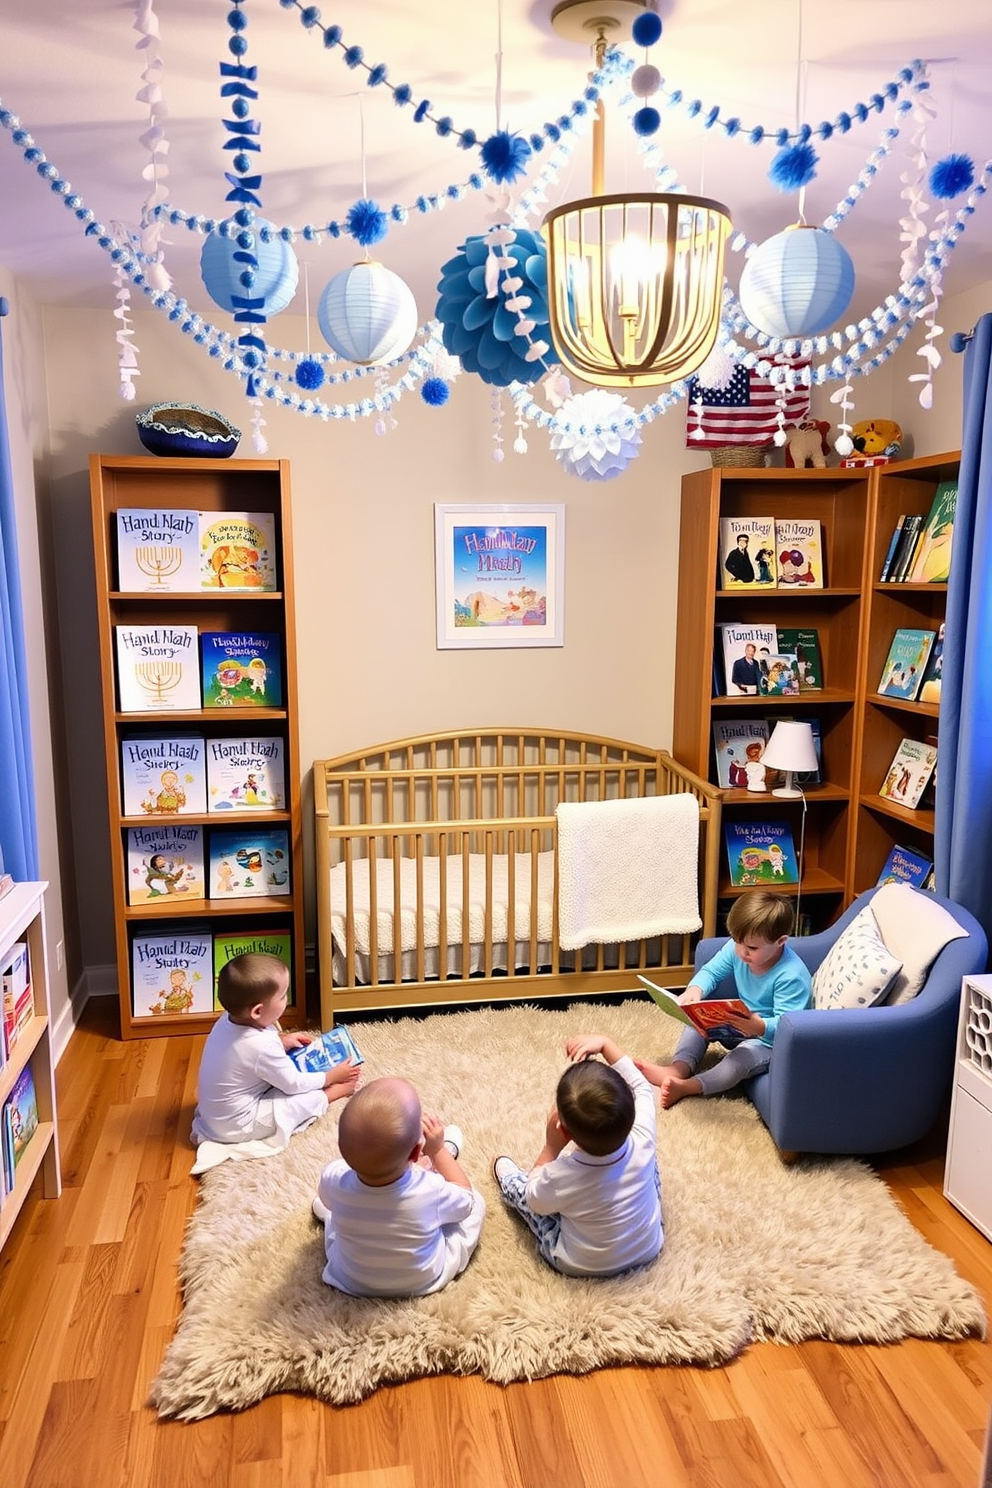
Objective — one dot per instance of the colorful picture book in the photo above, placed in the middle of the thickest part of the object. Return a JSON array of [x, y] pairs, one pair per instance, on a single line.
[[327, 1050], [747, 553], [163, 776], [760, 853], [164, 861], [738, 743], [708, 1016], [171, 973], [237, 550], [20, 1122], [904, 865], [245, 774], [902, 674], [241, 669], [158, 549], [902, 558], [18, 1001], [274, 943], [909, 773], [804, 645], [799, 553], [740, 647], [248, 863], [933, 671], [158, 668], [932, 557], [779, 675]]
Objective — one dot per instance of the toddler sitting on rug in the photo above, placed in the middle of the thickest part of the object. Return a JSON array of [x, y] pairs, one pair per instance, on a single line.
[[596, 1210], [249, 1088], [401, 1218], [770, 978]]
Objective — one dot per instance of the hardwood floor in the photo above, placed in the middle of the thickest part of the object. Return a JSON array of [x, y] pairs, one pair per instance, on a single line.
[[88, 1302]]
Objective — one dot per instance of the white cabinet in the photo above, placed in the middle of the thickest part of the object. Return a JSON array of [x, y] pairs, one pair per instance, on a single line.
[[22, 918], [968, 1176]]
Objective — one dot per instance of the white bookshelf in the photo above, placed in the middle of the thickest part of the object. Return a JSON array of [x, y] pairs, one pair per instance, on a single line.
[[969, 1140], [22, 918]]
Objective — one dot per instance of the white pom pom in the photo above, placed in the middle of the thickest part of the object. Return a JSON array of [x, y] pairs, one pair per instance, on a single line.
[[844, 446], [780, 437], [645, 80]]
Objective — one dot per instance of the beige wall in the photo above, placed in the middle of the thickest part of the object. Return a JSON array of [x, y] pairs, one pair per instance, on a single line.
[[362, 509]]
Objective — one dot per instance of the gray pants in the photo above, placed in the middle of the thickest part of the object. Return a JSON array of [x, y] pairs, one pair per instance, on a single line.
[[741, 1061]]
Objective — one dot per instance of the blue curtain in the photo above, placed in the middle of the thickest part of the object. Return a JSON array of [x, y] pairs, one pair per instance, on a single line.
[[18, 830], [963, 840]]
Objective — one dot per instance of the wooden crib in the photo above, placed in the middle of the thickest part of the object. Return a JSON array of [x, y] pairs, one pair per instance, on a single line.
[[409, 832]]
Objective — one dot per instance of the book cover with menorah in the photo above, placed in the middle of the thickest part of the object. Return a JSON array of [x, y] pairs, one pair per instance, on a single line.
[[158, 549], [158, 668]]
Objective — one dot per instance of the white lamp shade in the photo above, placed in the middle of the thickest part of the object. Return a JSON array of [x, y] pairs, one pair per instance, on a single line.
[[791, 749], [367, 314], [798, 283]]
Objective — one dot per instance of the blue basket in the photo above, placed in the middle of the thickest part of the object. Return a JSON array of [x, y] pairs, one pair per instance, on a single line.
[[186, 429]]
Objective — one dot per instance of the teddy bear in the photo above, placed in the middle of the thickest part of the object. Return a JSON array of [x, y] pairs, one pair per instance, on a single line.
[[808, 441], [876, 437]]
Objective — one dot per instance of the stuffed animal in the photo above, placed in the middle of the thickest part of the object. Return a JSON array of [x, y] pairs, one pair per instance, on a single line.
[[876, 437], [808, 442]]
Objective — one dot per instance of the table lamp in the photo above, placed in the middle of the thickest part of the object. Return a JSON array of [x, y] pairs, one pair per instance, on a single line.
[[791, 749]]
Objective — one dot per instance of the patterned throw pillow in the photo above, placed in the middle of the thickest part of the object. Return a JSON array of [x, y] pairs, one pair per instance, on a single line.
[[858, 969]]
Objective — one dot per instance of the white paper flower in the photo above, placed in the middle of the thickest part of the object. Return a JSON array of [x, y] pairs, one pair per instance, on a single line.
[[595, 437]]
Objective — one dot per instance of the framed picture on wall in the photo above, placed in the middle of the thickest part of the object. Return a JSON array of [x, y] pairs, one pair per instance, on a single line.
[[499, 575]]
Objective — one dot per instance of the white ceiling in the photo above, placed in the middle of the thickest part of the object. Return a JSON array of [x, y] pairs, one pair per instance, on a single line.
[[70, 70]]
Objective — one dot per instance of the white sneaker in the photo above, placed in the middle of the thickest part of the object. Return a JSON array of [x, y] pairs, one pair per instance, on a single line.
[[319, 1210], [453, 1140], [505, 1167]]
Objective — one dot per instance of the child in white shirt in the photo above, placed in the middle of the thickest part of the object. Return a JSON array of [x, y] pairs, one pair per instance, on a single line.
[[248, 1086], [401, 1218], [597, 1209]]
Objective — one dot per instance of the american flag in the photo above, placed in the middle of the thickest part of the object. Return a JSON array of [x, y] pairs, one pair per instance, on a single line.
[[744, 412]]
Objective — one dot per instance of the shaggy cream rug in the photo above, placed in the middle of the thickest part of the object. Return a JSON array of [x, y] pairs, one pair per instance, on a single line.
[[754, 1249]]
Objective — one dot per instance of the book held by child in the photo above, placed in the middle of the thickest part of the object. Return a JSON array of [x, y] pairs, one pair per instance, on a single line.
[[327, 1050], [708, 1016]]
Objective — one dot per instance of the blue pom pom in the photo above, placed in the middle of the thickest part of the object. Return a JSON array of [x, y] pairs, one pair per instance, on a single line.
[[402, 94], [435, 392], [952, 175], [647, 120], [793, 167], [367, 222], [505, 156], [309, 375], [647, 28], [959, 341]]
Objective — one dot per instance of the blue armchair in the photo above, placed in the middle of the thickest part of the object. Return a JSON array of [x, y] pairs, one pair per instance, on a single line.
[[861, 1080]]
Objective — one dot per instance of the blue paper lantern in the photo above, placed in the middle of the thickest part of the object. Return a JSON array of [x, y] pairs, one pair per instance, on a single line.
[[798, 283], [367, 314], [225, 267]]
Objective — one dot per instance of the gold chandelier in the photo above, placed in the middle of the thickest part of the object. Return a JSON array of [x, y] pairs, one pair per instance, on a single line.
[[635, 281]]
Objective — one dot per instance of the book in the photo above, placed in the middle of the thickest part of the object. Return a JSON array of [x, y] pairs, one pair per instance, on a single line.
[[163, 776], [747, 553], [708, 1016], [890, 551], [248, 863], [932, 560], [245, 774], [804, 645], [327, 1050], [17, 999], [904, 552], [163, 861], [904, 865], [158, 668], [737, 742], [241, 669], [21, 1111], [740, 645], [932, 672], [779, 675], [902, 674], [906, 778], [760, 853], [237, 550], [158, 549], [799, 552], [273, 943], [171, 973]]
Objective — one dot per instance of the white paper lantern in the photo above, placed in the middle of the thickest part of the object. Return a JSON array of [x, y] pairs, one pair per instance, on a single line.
[[367, 314], [797, 283]]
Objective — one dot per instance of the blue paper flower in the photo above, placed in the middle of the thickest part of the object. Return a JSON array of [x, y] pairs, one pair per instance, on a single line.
[[481, 331]]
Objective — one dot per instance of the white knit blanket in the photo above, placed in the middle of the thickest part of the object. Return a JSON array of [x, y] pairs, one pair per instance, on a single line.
[[627, 869], [362, 906]]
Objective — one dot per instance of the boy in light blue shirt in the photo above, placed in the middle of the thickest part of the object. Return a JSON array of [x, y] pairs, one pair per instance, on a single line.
[[770, 979]]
